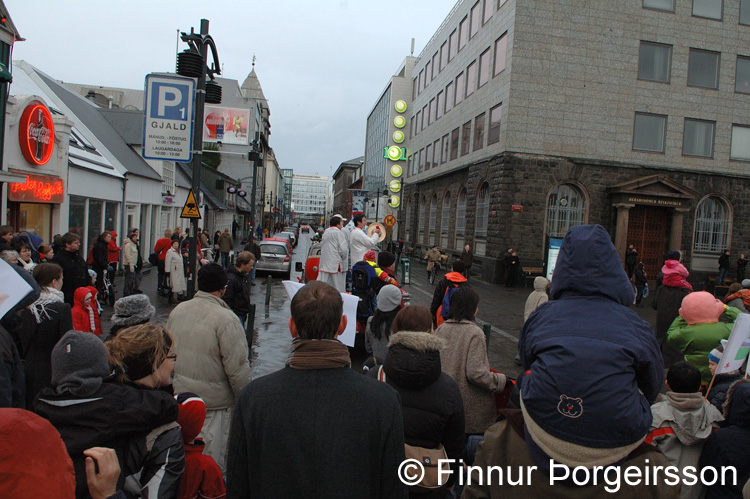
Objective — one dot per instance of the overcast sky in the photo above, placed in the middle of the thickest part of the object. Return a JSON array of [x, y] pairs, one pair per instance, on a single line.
[[321, 64]]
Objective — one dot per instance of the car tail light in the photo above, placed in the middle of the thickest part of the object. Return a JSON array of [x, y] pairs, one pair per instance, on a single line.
[[286, 259]]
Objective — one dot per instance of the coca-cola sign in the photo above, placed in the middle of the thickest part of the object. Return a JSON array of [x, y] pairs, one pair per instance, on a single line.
[[36, 133]]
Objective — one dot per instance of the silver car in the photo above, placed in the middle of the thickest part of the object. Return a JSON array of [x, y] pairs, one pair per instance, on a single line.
[[275, 258]]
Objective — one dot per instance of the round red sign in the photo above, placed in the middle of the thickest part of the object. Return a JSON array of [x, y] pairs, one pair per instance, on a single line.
[[36, 133], [390, 221]]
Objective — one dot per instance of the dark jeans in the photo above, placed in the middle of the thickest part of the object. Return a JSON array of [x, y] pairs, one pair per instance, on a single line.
[[721, 280], [161, 279], [224, 259], [132, 282], [639, 293]]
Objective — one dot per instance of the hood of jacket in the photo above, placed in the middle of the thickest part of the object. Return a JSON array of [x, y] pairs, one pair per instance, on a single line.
[[80, 295], [540, 283], [455, 277], [588, 265], [737, 407], [413, 359], [688, 415], [674, 267]]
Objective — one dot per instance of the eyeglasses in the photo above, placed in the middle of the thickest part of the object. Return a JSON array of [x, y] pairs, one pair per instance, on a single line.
[[172, 357]]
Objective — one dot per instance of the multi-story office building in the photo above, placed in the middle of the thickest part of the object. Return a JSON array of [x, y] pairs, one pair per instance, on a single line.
[[309, 194], [288, 174], [530, 117]]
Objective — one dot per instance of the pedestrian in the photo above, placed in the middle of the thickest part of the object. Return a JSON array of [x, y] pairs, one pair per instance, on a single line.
[[237, 295], [175, 272], [113, 251], [46, 253], [682, 422], [213, 355], [387, 262], [130, 264], [6, 236], [226, 244], [321, 410], [640, 281], [507, 258], [433, 256], [334, 255], [721, 382], [85, 312], [99, 254], [24, 256], [439, 307], [431, 403], [259, 231], [177, 234], [75, 271], [204, 240], [738, 297], [253, 247], [160, 248], [43, 323], [468, 258], [217, 236], [741, 265], [698, 330], [728, 445], [631, 259], [359, 241], [514, 270], [723, 268], [378, 330], [667, 302], [130, 311], [537, 297]]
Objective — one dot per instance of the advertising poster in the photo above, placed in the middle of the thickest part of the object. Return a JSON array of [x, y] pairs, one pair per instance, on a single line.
[[358, 200], [225, 125], [553, 249]]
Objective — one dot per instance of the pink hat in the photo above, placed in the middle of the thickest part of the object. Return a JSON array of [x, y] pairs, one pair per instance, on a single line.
[[370, 256], [674, 267], [701, 307]]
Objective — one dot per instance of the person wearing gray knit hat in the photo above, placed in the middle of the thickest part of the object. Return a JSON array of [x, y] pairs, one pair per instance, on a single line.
[[389, 298], [79, 363], [131, 311]]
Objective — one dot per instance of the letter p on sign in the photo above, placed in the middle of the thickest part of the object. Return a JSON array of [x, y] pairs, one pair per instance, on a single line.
[[168, 97]]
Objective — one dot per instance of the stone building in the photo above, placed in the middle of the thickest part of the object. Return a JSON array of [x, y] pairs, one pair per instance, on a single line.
[[529, 117]]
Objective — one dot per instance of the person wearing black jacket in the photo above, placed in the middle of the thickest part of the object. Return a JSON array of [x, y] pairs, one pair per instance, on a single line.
[[640, 281], [741, 265], [99, 254], [75, 271], [237, 294], [254, 248], [431, 403], [723, 268]]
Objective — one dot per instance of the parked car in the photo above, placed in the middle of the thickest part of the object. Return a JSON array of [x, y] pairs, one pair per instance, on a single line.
[[305, 229], [284, 240], [294, 237], [293, 229], [285, 235], [275, 257]]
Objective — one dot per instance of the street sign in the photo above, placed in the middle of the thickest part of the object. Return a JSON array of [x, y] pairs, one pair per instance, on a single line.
[[168, 118], [190, 210], [390, 221]]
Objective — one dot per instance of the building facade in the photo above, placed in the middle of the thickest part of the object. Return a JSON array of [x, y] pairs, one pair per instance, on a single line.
[[528, 118], [309, 193], [342, 179]]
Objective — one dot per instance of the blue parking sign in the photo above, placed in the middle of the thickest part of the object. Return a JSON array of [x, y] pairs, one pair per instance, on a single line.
[[168, 117], [170, 100]]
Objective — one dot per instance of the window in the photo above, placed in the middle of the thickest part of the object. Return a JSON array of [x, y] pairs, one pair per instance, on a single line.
[[421, 82], [479, 132], [436, 153], [417, 127], [566, 207], [712, 223], [445, 218], [440, 104], [459, 88], [414, 88], [433, 111], [483, 210], [435, 66], [76, 217], [443, 55], [433, 217], [698, 138], [489, 9], [476, 18], [421, 160], [740, 149], [501, 45], [484, 67], [423, 219], [742, 78], [471, 78], [461, 213], [450, 96], [703, 69], [428, 157], [744, 11], [452, 45], [666, 5], [654, 62], [711, 9], [649, 132], [411, 126], [427, 73], [463, 33], [454, 144], [424, 117], [95, 222], [444, 149], [167, 174], [466, 138], [493, 134]]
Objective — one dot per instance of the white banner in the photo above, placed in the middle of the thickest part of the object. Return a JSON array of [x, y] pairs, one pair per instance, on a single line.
[[738, 346], [14, 288], [350, 311]]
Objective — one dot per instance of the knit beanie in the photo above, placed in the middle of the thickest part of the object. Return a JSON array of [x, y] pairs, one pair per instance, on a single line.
[[386, 259], [389, 298], [370, 256], [674, 255], [458, 266], [211, 277], [717, 353], [191, 416], [79, 362], [746, 283], [701, 307], [132, 310]]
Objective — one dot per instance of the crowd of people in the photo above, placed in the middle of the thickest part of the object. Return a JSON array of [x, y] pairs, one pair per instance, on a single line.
[[169, 410]]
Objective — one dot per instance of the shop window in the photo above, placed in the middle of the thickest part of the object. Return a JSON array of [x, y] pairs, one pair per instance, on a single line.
[[110, 217], [445, 219], [482, 218], [76, 217], [712, 225], [654, 62], [95, 221], [566, 208]]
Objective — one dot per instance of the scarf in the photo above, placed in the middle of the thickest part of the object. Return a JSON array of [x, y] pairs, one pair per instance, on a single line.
[[318, 354], [91, 319], [743, 294], [38, 308], [676, 281]]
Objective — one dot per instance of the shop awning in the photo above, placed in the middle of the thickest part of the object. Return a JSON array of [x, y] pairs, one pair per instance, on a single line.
[[12, 177]]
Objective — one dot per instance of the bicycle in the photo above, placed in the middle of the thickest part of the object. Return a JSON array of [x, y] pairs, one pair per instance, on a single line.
[[108, 294], [431, 273]]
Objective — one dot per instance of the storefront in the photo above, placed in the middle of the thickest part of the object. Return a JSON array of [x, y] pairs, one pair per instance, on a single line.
[[30, 204]]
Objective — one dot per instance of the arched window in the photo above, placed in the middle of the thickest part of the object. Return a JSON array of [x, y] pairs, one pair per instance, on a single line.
[[433, 219], [712, 225], [482, 219], [460, 219], [566, 208], [422, 219], [445, 218]]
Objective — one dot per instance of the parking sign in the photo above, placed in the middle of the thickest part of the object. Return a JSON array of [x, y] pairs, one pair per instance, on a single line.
[[168, 120]]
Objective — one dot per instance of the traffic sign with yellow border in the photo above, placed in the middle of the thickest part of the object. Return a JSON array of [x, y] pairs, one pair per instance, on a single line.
[[190, 210]]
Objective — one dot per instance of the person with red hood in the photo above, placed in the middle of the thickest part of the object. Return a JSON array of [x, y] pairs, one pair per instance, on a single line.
[[86, 317], [454, 279], [113, 251], [672, 287]]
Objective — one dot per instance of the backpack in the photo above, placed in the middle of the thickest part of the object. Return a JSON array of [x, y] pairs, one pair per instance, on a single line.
[[364, 278], [90, 257], [447, 299]]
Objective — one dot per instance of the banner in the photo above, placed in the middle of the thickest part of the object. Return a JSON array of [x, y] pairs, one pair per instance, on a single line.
[[225, 125], [358, 200], [350, 311], [738, 346]]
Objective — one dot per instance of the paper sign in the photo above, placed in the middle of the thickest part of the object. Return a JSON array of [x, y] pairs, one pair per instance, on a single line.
[[738, 346], [13, 288], [350, 311]]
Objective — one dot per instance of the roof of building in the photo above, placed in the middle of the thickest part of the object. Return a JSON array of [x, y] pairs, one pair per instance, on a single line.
[[106, 133], [352, 163], [251, 87], [9, 26], [127, 122], [116, 97]]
